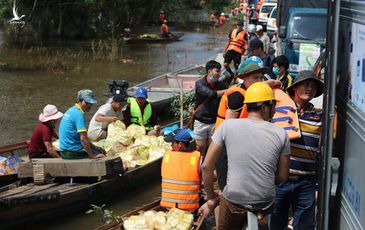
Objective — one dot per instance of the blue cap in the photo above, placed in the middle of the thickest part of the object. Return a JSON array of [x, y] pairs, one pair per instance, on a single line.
[[86, 95], [183, 135], [141, 92], [250, 60]]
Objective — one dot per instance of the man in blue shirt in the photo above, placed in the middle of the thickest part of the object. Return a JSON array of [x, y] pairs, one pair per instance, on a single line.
[[74, 143]]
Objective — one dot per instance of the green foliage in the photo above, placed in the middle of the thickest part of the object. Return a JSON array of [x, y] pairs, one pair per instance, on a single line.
[[99, 18], [188, 102], [105, 214], [217, 5]]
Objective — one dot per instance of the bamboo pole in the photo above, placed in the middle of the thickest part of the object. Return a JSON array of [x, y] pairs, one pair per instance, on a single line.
[[181, 103]]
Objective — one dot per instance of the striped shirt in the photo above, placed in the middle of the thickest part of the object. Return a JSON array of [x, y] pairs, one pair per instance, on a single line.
[[305, 150]]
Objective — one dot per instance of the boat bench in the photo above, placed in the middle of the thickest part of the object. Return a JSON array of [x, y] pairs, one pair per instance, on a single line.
[[41, 168]]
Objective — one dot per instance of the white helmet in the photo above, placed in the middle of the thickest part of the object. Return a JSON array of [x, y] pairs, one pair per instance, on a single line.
[[222, 14], [251, 28]]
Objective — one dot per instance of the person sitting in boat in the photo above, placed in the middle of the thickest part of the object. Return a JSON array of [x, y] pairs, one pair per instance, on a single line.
[[164, 30], [140, 111], [126, 33], [105, 115], [41, 141], [180, 171], [74, 143]]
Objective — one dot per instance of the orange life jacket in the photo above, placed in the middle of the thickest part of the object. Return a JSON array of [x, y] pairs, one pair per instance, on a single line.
[[223, 105], [162, 17], [286, 115], [164, 28], [237, 41], [222, 18], [181, 180]]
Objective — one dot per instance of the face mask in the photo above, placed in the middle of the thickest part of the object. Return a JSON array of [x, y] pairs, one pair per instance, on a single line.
[[222, 78], [212, 79], [275, 70]]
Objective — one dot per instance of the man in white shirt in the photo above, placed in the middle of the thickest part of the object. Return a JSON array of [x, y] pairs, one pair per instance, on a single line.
[[263, 37], [106, 114]]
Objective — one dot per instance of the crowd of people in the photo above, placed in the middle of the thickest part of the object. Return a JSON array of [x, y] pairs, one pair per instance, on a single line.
[[76, 138], [256, 166]]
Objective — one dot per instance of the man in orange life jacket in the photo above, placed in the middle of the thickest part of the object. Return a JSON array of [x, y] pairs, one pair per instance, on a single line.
[[222, 19], [236, 46], [181, 177], [164, 29]]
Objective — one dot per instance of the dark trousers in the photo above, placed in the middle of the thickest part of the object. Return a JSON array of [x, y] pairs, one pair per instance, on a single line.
[[299, 194]]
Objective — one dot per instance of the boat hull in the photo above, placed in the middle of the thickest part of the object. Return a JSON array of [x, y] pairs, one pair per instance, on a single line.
[[140, 40], [33, 203]]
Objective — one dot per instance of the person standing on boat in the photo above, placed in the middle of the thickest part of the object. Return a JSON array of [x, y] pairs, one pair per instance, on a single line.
[[299, 191], [74, 143], [208, 93], [140, 111], [180, 171], [236, 46], [164, 30], [162, 16], [105, 115], [258, 155], [41, 141]]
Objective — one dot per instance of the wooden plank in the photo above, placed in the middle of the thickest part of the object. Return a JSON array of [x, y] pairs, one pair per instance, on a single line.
[[9, 148], [80, 168], [25, 170]]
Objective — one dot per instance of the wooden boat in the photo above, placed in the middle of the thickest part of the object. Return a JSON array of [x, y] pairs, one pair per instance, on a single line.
[[163, 88], [152, 39], [118, 224], [22, 203]]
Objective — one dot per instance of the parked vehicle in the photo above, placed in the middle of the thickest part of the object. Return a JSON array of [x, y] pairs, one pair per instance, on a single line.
[[342, 204], [271, 27], [264, 13], [302, 31]]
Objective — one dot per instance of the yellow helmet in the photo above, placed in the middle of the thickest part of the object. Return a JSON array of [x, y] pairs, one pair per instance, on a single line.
[[259, 92]]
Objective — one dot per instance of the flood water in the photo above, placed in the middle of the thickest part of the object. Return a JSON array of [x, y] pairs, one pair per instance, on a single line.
[[25, 89]]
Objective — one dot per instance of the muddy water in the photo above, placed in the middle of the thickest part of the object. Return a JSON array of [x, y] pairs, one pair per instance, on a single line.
[[24, 90]]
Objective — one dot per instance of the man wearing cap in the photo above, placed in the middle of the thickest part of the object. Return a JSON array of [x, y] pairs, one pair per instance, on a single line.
[[180, 171], [236, 46], [41, 141], [251, 33], [231, 107], [105, 115], [263, 37], [258, 155], [256, 48], [140, 111], [208, 93], [74, 143], [299, 190]]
